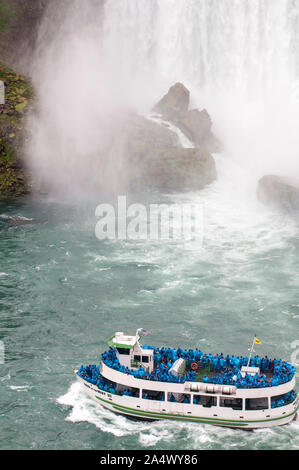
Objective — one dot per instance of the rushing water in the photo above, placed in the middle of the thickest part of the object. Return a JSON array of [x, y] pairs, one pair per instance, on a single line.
[[63, 292]]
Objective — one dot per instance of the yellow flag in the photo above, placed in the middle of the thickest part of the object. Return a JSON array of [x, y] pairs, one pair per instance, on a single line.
[[257, 341]]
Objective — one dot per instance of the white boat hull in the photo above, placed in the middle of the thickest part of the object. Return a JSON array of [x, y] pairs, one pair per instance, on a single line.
[[142, 409]]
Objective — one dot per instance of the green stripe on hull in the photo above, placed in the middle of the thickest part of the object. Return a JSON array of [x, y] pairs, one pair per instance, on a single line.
[[221, 422], [179, 418]]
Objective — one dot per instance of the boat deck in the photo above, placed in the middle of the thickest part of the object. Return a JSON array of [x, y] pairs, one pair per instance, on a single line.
[[208, 372]]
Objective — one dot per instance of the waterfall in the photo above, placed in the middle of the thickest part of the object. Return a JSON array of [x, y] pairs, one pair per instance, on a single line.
[[239, 58], [248, 45]]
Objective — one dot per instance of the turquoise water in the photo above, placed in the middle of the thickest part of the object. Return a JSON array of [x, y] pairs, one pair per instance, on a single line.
[[63, 293]]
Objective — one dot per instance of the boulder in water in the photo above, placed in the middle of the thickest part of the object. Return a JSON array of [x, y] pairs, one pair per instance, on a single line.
[[280, 192], [175, 169], [174, 103]]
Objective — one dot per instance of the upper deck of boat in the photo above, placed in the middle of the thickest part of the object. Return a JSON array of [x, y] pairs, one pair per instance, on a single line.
[[210, 374]]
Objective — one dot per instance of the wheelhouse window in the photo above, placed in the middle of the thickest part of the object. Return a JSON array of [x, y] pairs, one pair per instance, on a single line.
[[145, 359], [153, 395], [234, 403], [256, 403], [204, 400], [136, 358], [124, 351]]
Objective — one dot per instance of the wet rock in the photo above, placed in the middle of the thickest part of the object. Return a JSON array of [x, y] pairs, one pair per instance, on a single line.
[[14, 180], [279, 192], [144, 136], [156, 160], [196, 125], [175, 169], [174, 103]]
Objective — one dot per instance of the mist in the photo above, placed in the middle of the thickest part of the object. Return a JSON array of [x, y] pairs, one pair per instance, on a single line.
[[98, 60]]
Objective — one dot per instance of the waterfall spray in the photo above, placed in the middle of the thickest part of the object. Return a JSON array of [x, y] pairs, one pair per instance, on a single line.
[[239, 58]]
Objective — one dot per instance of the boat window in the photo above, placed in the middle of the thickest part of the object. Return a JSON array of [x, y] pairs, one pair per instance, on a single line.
[[127, 391], [256, 403], [137, 358], [145, 359], [234, 403], [283, 400], [117, 389], [204, 400], [125, 351], [153, 395], [179, 397]]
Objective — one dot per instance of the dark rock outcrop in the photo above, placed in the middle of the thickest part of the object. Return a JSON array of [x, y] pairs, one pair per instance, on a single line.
[[195, 124], [175, 103], [155, 159], [279, 192], [18, 96], [153, 152], [179, 169], [145, 136]]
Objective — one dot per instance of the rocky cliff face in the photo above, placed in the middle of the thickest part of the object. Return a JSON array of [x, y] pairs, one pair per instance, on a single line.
[[19, 20], [18, 95]]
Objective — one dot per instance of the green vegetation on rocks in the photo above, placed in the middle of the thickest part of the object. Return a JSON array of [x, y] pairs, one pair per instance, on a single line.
[[18, 95]]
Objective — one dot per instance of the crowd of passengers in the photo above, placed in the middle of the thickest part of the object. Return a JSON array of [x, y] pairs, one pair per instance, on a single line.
[[91, 374], [159, 374], [284, 400], [228, 368]]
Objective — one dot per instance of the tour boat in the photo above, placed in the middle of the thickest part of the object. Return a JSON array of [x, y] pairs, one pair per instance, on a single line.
[[149, 383]]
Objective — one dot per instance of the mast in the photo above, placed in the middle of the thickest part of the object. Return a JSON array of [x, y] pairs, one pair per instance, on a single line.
[[251, 351]]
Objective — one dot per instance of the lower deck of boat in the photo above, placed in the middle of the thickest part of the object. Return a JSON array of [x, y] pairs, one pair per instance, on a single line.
[[145, 410]]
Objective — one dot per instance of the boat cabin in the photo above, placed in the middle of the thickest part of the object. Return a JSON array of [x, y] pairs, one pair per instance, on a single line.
[[250, 371], [129, 352]]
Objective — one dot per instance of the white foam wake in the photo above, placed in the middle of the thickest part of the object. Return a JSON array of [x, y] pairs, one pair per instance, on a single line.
[[147, 434]]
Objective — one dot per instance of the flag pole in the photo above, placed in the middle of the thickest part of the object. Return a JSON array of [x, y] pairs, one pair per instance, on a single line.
[[251, 351]]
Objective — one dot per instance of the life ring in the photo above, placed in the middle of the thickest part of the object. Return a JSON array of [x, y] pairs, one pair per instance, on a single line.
[[194, 366]]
